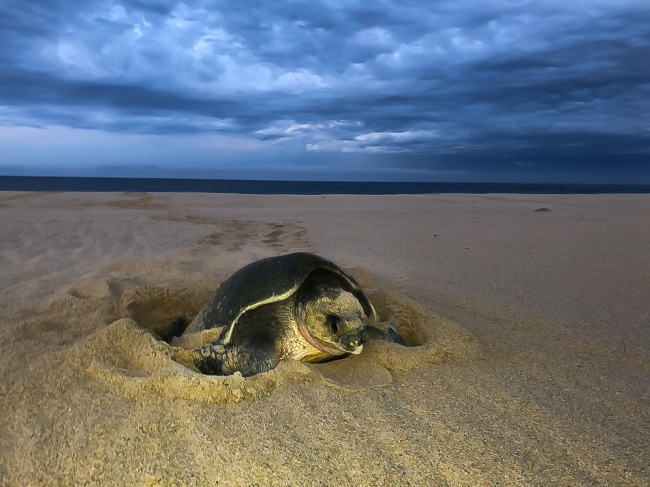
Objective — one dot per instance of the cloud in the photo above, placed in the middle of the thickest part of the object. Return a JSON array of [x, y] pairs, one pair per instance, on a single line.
[[473, 77]]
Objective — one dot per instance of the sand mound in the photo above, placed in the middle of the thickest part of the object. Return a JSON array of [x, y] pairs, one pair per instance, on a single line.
[[130, 356], [133, 361], [152, 294]]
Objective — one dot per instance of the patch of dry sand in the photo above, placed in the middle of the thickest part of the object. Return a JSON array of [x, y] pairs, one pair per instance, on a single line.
[[528, 365]]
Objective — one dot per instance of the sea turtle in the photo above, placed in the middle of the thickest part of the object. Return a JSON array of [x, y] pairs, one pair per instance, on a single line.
[[297, 306]]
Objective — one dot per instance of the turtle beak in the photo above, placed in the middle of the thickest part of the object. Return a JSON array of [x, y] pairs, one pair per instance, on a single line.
[[353, 343]]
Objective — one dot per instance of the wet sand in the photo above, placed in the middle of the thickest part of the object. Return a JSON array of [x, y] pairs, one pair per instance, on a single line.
[[527, 318]]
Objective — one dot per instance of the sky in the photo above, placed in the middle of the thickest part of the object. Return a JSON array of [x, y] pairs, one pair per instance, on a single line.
[[394, 90]]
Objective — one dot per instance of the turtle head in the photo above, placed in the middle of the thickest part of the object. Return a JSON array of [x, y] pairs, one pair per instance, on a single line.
[[335, 318]]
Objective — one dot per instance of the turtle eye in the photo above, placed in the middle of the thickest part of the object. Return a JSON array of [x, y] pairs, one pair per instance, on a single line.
[[333, 322]]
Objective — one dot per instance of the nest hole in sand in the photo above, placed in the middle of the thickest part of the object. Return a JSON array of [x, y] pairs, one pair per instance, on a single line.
[[158, 309], [130, 354], [429, 338]]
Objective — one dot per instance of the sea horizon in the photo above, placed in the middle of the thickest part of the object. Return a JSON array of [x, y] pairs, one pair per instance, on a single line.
[[298, 187]]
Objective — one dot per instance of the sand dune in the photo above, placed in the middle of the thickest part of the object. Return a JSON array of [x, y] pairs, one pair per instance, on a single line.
[[528, 332]]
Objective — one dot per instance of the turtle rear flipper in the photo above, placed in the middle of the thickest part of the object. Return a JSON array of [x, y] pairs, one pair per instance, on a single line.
[[383, 331]]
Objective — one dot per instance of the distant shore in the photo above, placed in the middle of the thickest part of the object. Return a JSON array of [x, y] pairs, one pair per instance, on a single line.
[[179, 185]]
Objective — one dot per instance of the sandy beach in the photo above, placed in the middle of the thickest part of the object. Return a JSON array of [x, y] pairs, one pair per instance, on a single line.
[[527, 319]]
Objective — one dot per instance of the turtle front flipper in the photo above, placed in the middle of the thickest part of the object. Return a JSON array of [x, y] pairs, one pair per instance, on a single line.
[[249, 359], [382, 330]]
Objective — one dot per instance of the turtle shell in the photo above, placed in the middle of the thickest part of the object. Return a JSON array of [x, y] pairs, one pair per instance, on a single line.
[[266, 281]]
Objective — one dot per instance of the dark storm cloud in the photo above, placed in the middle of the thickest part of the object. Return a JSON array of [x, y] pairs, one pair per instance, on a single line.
[[439, 81]]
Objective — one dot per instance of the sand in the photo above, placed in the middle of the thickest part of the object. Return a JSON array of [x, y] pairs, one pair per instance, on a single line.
[[527, 319]]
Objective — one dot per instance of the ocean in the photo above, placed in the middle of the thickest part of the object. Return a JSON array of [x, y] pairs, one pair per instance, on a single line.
[[159, 185]]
